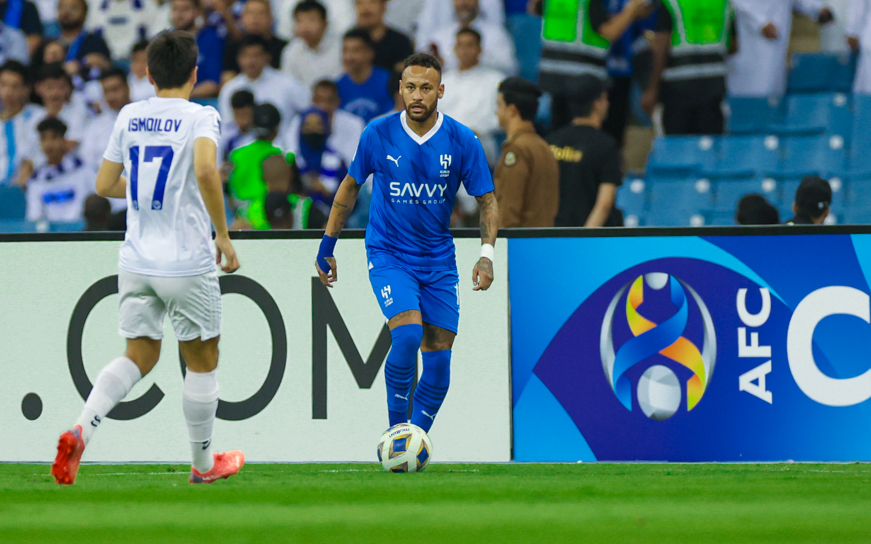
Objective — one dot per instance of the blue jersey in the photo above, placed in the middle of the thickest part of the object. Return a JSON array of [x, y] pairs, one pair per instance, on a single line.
[[415, 183]]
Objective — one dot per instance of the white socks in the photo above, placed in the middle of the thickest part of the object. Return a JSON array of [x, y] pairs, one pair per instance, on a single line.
[[200, 403], [113, 384]]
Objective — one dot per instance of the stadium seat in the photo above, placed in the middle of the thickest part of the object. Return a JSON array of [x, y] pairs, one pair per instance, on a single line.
[[12, 203], [857, 217], [747, 156], [632, 197], [819, 72], [682, 154], [727, 193], [687, 194], [674, 218], [722, 218], [860, 158], [817, 113], [858, 196], [809, 155], [16, 226], [753, 115], [75, 226]]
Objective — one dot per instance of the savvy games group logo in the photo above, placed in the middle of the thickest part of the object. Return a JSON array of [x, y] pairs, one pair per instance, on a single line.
[[658, 390]]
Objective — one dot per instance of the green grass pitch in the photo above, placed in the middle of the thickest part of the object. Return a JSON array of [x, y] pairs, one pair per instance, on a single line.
[[452, 504]]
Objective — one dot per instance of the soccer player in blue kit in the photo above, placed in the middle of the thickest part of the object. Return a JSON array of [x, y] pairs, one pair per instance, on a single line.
[[418, 158]]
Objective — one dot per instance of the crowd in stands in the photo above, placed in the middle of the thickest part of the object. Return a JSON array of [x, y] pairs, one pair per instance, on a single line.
[[296, 82]]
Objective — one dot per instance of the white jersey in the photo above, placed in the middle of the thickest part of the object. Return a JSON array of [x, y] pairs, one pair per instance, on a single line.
[[169, 232]]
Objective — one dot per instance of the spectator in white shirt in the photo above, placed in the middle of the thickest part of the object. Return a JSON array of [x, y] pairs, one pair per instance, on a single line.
[[57, 190], [18, 119], [314, 53], [116, 94], [438, 14], [497, 46], [267, 84], [471, 91], [340, 14], [122, 23], [140, 87], [345, 127]]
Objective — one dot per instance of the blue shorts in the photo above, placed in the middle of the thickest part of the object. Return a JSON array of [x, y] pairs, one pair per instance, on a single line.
[[435, 294]]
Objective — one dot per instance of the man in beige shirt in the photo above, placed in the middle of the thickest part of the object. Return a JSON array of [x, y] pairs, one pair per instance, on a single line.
[[527, 176]]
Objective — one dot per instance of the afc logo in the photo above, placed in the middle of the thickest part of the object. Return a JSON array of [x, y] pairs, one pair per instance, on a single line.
[[446, 161]]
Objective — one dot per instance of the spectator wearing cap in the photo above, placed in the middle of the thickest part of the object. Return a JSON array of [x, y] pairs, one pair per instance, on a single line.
[[188, 15], [497, 46], [122, 23], [754, 209], [140, 87], [321, 167], [589, 164], [345, 127], [267, 84], [391, 46], [315, 52], [527, 176], [247, 186], [813, 200], [470, 91], [57, 190], [23, 15], [257, 21], [18, 120], [363, 86]]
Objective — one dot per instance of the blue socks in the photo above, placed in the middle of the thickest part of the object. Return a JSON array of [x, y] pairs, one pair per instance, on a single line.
[[432, 388], [400, 368]]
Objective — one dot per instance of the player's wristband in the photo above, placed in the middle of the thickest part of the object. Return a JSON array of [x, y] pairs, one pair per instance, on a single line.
[[328, 244], [487, 250]]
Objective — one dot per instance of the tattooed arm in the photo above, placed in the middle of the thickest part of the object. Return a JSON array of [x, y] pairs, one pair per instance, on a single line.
[[343, 205], [482, 275]]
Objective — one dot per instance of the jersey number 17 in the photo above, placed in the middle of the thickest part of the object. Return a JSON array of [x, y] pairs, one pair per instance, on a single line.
[[162, 152]]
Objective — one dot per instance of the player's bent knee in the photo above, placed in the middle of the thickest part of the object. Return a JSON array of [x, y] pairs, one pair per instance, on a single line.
[[200, 355], [144, 352], [406, 339]]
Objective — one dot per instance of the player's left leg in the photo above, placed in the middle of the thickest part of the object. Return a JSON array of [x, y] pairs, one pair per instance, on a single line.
[[440, 310]]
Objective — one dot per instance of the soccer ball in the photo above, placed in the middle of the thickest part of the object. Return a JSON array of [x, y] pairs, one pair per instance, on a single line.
[[404, 448]]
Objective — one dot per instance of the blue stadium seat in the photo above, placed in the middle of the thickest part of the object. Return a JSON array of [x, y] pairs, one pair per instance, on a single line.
[[859, 194], [12, 203], [683, 154], [860, 158], [722, 218], [75, 226], [674, 218], [683, 194], [857, 217], [817, 113], [753, 115], [809, 155], [16, 226], [632, 196], [728, 192], [819, 72], [747, 156]]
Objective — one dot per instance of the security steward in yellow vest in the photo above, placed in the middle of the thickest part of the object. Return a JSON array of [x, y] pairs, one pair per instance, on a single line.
[[692, 40]]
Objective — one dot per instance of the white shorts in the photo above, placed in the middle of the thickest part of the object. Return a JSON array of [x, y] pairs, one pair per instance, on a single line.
[[193, 304]]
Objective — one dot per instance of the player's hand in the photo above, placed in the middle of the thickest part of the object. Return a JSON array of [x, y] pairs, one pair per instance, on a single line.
[[482, 274], [770, 31], [225, 248], [328, 278]]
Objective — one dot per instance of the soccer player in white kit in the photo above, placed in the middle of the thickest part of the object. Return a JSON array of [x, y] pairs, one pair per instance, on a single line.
[[168, 146]]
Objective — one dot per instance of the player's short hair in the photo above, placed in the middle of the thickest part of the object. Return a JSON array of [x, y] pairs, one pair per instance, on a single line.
[[17, 68], [172, 58], [308, 6], [114, 71], [52, 124], [471, 32], [55, 70], [242, 99], [361, 34], [424, 60], [253, 40], [521, 94], [141, 45], [327, 84]]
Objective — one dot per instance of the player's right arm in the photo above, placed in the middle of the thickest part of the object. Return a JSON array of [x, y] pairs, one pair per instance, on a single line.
[[343, 205], [110, 183], [209, 181]]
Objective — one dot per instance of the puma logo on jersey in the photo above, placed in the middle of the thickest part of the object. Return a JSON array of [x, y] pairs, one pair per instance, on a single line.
[[396, 160]]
